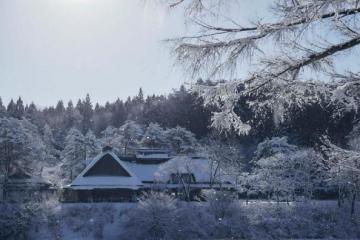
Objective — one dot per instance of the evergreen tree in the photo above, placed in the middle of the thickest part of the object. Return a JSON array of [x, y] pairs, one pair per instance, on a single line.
[[2, 109], [118, 116], [11, 109], [60, 109], [31, 113], [86, 110], [51, 153], [73, 155], [140, 97], [101, 119], [72, 116], [20, 110], [97, 108]]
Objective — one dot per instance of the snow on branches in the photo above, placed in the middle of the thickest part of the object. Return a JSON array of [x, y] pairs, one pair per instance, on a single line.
[[303, 36]]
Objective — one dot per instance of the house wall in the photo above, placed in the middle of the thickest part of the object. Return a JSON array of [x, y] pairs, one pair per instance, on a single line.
[[98, 195]]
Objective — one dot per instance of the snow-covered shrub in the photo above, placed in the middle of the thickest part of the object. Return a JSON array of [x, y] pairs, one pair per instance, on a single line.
[[192, 222], [85, 220], [219, 203], [17, 220], [302, 220], [159, 216], [153, 218], [14, 222], [226, 215]]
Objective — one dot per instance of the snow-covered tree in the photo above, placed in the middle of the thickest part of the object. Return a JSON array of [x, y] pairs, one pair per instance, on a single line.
[[282, 170], [354, 138], [221, 43], [344, 172], [73, 118], [20, 144], [274, 146], [74, 154], [226, 156], [181, 140], [92, 146], [111, 137], [51, 152], [131, 133], [154, 136], [11, 142], [299, 37]]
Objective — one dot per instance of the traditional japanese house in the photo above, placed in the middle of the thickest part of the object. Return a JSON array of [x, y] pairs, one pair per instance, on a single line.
[[109, 177]]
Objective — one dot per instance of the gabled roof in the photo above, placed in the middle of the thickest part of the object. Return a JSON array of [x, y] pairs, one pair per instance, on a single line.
[[106, 170]]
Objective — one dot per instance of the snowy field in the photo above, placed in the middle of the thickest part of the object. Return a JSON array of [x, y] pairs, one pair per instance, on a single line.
[[259, 220]]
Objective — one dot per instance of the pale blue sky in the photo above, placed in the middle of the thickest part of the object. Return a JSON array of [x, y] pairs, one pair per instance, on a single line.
[[63, 49]]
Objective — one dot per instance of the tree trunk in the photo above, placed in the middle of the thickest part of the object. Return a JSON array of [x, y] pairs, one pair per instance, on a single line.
[[353, 203]]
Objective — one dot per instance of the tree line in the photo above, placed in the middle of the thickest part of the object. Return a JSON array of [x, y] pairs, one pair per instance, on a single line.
[[179, 108]]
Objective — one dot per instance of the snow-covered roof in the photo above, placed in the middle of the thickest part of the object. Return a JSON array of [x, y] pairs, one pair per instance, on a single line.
[[145, 172], [200, 167], [140, 174], [85, 181]]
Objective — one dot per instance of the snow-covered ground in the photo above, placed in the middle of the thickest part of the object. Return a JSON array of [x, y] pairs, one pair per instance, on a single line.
[[104, 220], [81, 221]]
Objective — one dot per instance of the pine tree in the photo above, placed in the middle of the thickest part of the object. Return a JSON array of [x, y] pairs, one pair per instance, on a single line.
[[86, 110], [140, 97], [11, 109], [118, 116], [72, 116], [60, 109], [31, 112], [2, 109], [20, 110]]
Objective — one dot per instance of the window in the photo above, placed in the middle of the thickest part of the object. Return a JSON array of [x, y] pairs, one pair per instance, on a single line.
[[178, 178]]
